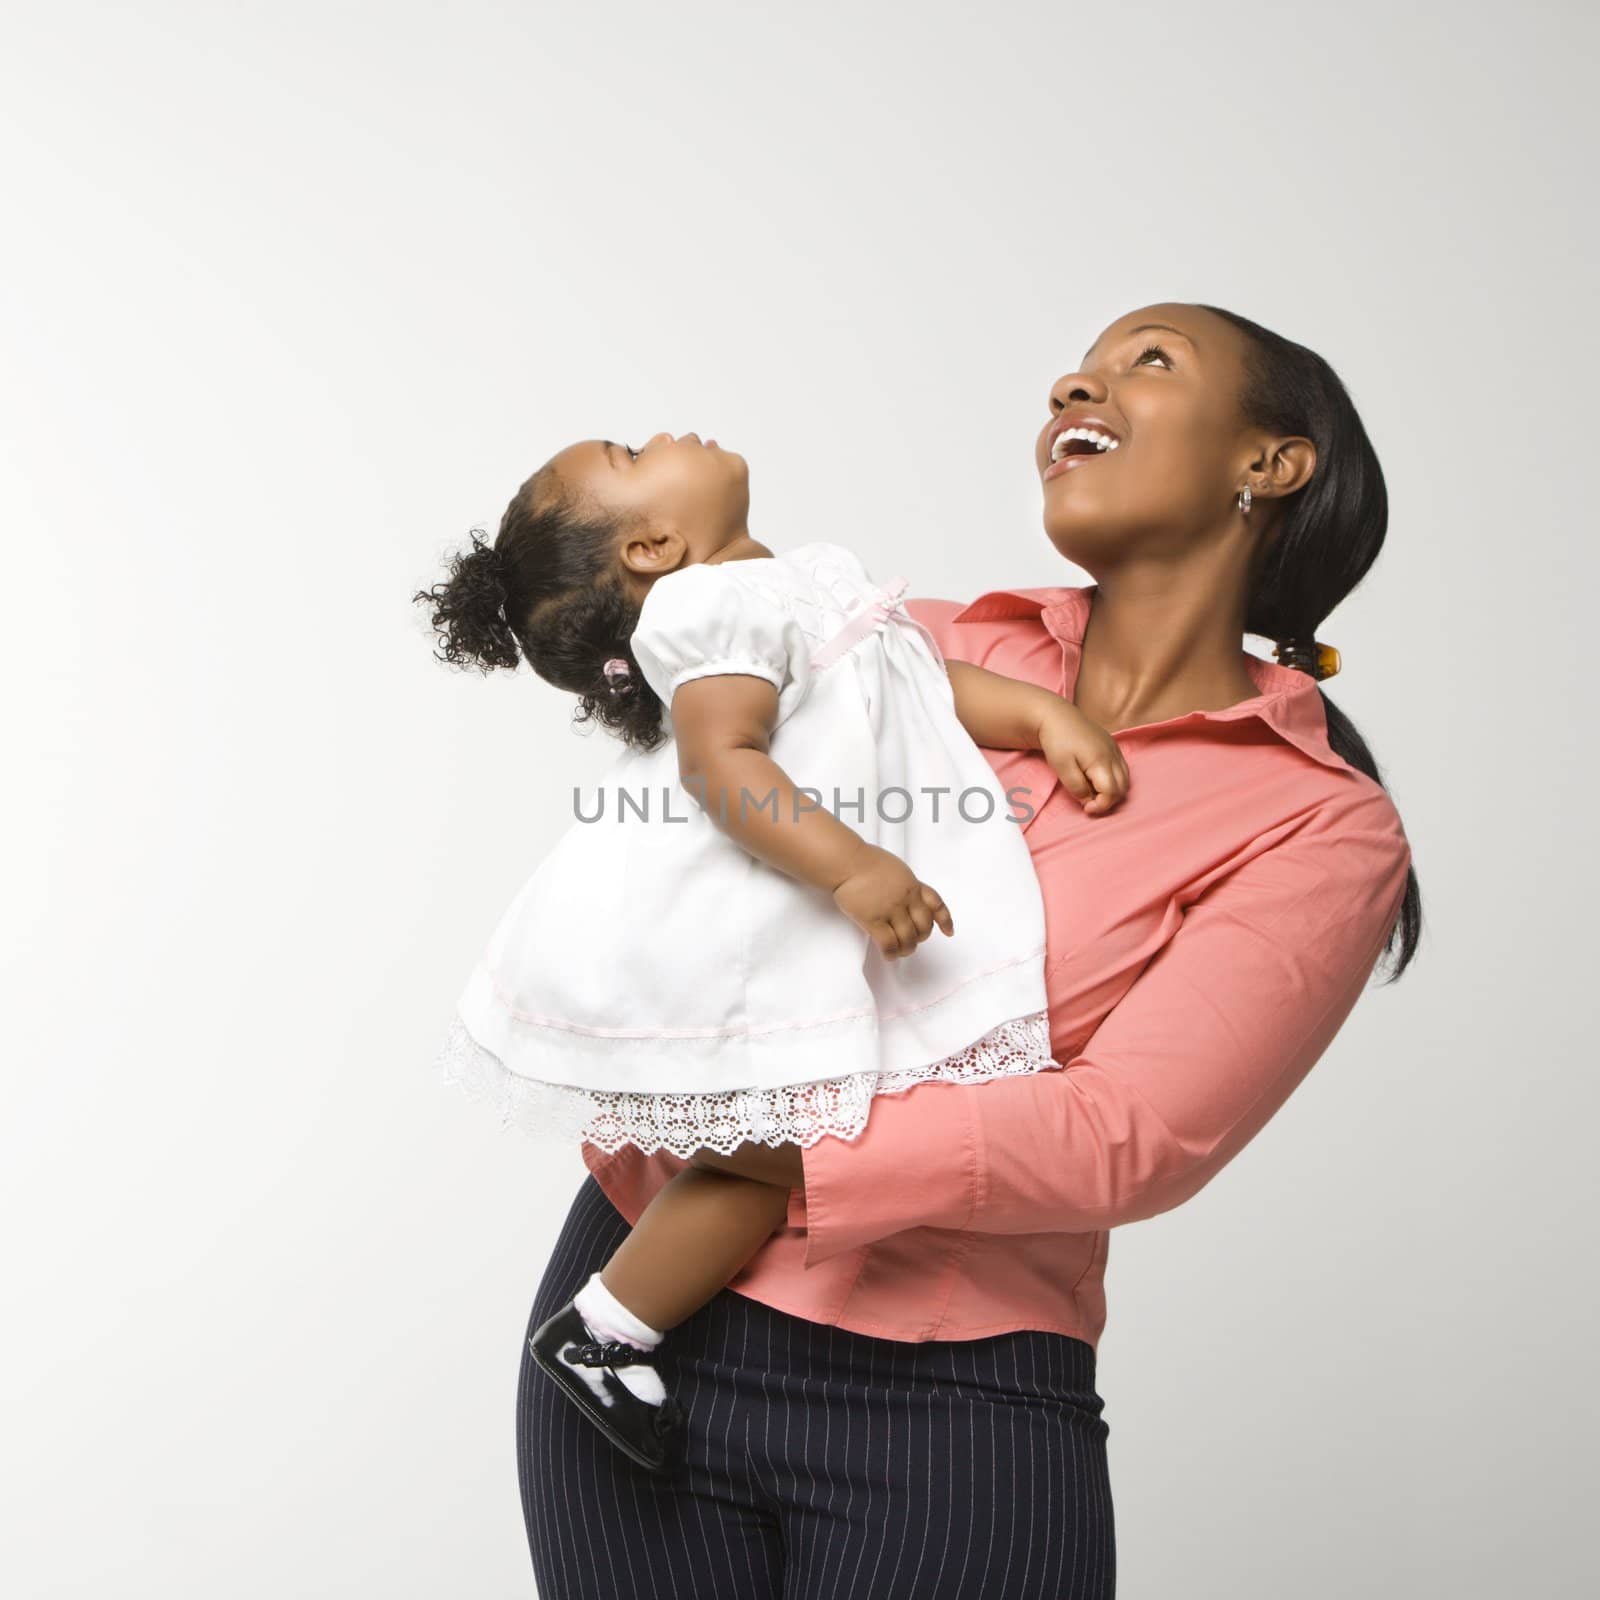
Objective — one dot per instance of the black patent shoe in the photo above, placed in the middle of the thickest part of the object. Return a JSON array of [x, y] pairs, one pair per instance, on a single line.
[[566, 1349]]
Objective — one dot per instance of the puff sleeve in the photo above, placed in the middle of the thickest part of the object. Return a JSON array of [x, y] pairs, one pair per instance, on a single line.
[[706, 621]]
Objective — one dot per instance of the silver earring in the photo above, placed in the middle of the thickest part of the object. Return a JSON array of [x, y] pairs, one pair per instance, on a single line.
[[1244, 499]]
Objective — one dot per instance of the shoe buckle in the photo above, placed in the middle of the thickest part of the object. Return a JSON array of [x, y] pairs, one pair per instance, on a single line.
[[610, 1353]]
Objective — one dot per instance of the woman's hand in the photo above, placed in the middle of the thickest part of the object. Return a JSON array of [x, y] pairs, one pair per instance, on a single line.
[[776, 1164], [1085, 757], [887, 901]]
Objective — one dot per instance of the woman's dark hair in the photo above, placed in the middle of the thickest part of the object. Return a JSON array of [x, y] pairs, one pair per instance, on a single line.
[[550, 587], [1330, 534]]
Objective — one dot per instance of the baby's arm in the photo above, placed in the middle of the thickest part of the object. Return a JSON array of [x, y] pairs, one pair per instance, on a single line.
[[1007, 714], [723, 725]]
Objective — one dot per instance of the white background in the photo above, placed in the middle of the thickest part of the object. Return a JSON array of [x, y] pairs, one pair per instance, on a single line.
[[297, 294]]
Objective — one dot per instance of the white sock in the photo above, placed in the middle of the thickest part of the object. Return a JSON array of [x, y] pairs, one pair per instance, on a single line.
[[608, 1320]]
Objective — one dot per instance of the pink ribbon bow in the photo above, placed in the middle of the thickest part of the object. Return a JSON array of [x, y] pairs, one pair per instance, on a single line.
[[884, 603]]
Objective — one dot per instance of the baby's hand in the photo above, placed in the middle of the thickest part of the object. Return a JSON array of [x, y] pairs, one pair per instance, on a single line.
[[1086, 758], [885, 899]]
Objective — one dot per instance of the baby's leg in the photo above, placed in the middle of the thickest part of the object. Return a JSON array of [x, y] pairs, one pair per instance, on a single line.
[[702, 1226], [691, 1239]]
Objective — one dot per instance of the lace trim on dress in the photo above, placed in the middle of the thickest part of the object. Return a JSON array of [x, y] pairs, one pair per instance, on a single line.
[[724, 1119]]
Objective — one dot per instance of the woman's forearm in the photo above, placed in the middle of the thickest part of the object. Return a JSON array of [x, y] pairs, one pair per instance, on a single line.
[[1179, 1075]]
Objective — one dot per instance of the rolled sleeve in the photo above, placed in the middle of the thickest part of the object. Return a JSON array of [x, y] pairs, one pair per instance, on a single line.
[[1209, 1041], [879, 1183]]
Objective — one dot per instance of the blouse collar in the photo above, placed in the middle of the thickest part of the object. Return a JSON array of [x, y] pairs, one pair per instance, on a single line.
[[1289, 702]]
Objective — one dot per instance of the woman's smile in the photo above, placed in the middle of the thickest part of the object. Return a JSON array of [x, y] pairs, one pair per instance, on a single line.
[[1073, 438], [1073, 441]]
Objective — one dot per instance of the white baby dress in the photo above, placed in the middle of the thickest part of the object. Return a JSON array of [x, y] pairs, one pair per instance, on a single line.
[[655, 984]]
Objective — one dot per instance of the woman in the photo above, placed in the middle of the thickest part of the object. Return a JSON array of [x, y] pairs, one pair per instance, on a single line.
[[896, 1396]]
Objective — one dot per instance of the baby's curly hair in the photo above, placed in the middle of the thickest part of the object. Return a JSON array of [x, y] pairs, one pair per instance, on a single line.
[[549, 591]]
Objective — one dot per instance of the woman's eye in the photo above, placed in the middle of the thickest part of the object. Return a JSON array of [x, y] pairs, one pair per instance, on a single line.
[[1153, 350], [633, 454]]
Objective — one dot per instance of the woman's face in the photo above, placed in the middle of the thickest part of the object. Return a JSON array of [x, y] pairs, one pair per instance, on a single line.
[[1163, 383]]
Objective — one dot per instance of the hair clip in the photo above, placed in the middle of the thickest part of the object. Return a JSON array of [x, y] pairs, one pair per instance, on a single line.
[[1317, 659], [617, 672]]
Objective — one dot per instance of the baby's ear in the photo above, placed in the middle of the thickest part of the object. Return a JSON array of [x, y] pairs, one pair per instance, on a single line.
[[650, 553]]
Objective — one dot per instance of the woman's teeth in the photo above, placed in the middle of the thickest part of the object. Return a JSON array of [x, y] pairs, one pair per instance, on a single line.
[[1101, 441]]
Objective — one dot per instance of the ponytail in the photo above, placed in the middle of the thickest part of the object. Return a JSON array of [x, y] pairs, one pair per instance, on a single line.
[[1331, 532], [549, 591]]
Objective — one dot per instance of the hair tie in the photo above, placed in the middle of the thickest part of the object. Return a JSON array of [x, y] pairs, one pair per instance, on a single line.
[[1309, 656], [617, 672]]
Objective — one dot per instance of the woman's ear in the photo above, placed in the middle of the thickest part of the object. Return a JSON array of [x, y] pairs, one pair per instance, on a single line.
[[1286, 465]]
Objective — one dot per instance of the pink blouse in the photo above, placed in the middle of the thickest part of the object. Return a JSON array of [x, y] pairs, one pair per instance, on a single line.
[[1205, 941]]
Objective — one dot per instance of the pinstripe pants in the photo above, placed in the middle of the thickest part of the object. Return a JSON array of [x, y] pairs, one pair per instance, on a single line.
[[821, 1464]]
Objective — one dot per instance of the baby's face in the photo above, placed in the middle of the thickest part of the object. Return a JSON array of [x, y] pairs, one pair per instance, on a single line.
[[677, 485]]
